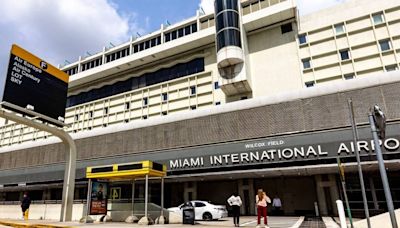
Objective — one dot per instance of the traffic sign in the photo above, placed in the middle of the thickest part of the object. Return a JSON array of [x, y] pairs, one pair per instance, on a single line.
[[33, 86]]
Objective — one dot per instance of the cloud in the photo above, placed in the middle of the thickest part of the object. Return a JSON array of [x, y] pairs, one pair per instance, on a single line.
[[61, 30], [309, 6], [207, 5]]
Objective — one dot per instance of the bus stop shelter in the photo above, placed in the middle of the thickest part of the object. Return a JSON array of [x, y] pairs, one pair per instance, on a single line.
[[129, 171]]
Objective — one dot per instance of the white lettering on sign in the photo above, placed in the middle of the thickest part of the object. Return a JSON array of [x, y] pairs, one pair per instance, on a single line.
[[282, 154], [187, 162], [264, 144], [22, 69]]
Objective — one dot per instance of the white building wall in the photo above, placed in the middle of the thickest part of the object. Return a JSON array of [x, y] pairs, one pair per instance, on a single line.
[[274, 62]]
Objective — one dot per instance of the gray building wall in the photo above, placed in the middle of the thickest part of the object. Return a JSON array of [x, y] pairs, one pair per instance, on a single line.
[[302, 115]]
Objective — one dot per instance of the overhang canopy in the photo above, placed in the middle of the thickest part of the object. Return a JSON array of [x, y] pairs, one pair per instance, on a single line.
[[126, 171]]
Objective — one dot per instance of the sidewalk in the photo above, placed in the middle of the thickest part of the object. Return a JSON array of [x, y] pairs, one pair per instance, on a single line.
[[245, 221]]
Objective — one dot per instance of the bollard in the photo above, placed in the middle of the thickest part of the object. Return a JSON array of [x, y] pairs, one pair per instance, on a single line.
[[316, 209], [342, 216]]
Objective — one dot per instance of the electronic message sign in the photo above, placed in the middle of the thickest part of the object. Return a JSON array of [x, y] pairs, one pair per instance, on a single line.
[[33, 86]]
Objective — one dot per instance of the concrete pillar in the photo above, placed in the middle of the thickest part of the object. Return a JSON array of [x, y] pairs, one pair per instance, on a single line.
[[189, 188], [46, 194], [373, 193], [2, 196], [323, 209], [241, 188], [333, 188], [252, 195]]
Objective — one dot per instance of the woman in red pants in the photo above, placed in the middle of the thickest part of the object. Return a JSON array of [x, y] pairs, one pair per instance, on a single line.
[[261, 200]]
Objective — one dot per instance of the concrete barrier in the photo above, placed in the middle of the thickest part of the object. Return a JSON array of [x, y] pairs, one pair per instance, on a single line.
[[381, 221], [40, 211], [119, 212]]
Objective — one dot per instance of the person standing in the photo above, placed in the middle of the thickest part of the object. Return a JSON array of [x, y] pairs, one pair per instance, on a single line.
[[261, 200], [25, 203], [277, 204], [235, 202]]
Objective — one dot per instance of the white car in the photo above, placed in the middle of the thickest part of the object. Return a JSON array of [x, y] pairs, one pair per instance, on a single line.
[[204, 210]]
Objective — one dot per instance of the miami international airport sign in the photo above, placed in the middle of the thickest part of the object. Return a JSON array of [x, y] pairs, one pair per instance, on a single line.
[[267, 151], [34, 85]]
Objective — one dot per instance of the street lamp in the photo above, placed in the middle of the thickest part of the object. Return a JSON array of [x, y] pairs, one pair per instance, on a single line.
[[377, 120]]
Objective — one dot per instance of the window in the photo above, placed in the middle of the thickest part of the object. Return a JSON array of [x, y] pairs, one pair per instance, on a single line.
[[286, 28], [76, 117], [147, 79], [144, 117], [344, 55], [164, 96], [193, 107], [306, 63], [348, 76], [216, 85], [105, 111], [309, 84], [192, 90], [391, 68], [302, 39], [164, 113], [218, 103], [127, 105], [199, 204], [378, 18], [105, 125], [90, 114], [384, 45], [126, 120], [145, 101], [339, 29]]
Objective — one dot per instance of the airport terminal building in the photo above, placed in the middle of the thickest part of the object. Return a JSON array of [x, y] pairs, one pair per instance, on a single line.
[[251, 96]]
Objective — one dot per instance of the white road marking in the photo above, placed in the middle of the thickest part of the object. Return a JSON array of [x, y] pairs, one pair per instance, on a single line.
[[248, 223], [298, 223]]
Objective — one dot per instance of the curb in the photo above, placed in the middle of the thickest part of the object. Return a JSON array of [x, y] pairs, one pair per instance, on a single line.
[[34, 225]]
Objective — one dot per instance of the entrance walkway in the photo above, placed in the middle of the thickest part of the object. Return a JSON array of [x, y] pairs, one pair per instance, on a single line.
[[245, 221]]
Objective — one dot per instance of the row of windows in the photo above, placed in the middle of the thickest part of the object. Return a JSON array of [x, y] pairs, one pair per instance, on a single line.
[[147, 44], [384, 45], [162, 75], [117, 55], [180, 32], [341, 29], [72, 71], [91, 64], [145, 103], [351, 75], [137, 48]]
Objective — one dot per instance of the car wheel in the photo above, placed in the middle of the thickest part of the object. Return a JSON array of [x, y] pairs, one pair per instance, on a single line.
[[207, 216]]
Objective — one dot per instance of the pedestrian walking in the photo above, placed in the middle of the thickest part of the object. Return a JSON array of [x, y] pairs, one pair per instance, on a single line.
[[277, 205], [235, 202], [261, 200], [25, 203]]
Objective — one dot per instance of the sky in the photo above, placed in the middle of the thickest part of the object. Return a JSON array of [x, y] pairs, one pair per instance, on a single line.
[[61, 31]]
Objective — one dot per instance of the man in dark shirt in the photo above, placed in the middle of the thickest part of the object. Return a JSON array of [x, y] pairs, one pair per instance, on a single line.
[[100, 192], [25, 203]]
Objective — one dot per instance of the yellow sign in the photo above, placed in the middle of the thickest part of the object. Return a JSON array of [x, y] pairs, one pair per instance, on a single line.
[[116, 193]]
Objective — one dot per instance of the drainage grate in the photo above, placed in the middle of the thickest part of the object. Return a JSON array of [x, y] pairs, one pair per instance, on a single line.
[[312, 222]]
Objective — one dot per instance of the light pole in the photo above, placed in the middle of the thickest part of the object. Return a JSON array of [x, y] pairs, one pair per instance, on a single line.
[[377, 120], [360, 174]]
